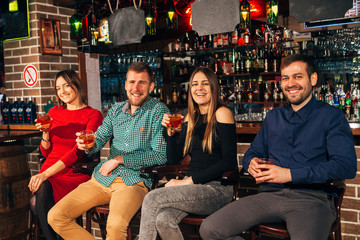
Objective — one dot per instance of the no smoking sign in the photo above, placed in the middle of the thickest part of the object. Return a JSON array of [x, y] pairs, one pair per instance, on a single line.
[[30, 75]]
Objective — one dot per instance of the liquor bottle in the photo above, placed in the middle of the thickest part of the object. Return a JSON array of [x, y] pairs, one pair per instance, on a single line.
[[278, 34], [266, 60], [258, 38], [177, 45], [280, 92], [256, 60], [248, 62], [184, 95], [234, 37], [250, 92], [247, 36], [219, 40], [14, 111], [322, 93], [205, 42], [225, 37], [21, 111], [238, 92], [261, 89], [6, 111], [174, 95], [186, 42], [238, 62], [210, 43], [196, 41], [215, 41], [275, 93], [261, 60], [267, 93], [30, 111]]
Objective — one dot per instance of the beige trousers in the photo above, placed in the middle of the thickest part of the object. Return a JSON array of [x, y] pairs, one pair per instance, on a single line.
[[124, 201]]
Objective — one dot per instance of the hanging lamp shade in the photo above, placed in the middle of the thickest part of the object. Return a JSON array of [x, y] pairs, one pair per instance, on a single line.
[[171, 16], [244, 14], [272, 8], [76, 32]]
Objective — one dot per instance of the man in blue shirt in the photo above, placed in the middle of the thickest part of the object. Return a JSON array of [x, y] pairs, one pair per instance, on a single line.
[[138, 141], [310, 143]]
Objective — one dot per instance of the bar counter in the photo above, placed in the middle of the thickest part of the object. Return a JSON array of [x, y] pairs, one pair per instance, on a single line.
[[17, 132], [14, 178], [254, 127]]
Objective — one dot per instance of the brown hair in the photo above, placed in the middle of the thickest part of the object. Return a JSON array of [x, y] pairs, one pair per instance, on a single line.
[[310, 66], [72, 78], [140, 67], [194, 111]]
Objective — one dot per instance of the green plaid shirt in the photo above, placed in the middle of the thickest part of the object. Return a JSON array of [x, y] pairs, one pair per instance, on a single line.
[[138, 137]]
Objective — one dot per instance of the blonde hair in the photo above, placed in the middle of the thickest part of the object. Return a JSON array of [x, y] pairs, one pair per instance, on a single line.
[[194, 111]]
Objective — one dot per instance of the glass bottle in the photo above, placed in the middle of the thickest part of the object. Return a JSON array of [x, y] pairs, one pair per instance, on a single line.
[[14, 111], [186, 42]]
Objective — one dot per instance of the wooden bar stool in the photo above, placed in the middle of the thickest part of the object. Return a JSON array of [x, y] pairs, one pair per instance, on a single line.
[[279, 229]]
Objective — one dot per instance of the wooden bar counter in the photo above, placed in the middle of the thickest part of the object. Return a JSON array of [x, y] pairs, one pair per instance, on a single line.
[[14, 178], [254, 127]]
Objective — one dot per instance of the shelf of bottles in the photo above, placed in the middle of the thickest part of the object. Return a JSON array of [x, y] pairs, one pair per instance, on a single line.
[[113, 70], [246, 62], [17, 112], [337, 55]]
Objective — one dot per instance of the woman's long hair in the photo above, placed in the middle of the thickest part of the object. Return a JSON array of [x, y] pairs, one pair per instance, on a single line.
[[194, 111], [72, 78]]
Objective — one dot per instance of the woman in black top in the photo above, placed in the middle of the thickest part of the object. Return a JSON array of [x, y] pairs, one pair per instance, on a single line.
[[209, 137]]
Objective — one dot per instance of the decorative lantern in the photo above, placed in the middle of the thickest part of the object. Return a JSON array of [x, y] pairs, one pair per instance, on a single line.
[[244, 14], [150, 20], [272, 7], [171, 16], [76, 32]]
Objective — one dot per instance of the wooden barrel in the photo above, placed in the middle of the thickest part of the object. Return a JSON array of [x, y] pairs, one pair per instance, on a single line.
[[15, 195]]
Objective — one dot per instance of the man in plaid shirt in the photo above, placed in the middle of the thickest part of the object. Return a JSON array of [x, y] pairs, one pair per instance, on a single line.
[[138, 141]]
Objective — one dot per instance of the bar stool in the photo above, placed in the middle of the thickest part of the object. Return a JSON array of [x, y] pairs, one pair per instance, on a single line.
[[279, 229], [85, 167]]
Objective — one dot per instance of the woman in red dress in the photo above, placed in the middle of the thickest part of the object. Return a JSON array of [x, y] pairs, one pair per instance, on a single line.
[[57, 177]]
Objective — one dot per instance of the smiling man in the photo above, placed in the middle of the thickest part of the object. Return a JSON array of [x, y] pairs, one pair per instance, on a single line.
[[138, 141], [310, 143]]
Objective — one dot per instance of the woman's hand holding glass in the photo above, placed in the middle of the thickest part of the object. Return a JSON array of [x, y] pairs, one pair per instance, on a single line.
[[43, 122], [172, 122]]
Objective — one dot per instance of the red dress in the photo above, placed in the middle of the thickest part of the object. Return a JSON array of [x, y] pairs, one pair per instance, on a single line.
[[63, 146]]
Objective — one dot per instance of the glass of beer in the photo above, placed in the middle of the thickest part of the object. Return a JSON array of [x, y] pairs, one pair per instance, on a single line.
[[88, 137], [175, 121], [44, 119]]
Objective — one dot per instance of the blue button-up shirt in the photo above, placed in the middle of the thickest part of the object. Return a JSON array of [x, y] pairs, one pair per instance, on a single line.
[[315, 143]]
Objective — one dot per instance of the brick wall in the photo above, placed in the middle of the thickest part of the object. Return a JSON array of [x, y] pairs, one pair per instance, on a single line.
[[20, 53], [350, 209]]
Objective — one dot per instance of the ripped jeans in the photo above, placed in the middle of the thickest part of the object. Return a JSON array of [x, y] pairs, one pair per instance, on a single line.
[[164, 208]]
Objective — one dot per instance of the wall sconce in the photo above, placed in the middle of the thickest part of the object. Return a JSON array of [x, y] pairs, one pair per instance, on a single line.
[[171, 16], [272, 9], [13, 6], [76, 32], [244, 14], [150, 20]]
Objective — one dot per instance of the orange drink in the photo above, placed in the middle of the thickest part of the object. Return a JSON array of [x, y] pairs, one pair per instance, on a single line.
[[88, 137]]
